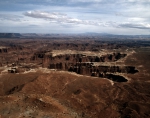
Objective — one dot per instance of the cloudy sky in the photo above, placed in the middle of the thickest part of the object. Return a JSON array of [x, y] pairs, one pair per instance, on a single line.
[[75, 16]]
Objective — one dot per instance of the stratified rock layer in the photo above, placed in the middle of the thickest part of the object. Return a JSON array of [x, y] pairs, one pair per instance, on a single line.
[[85, 65]]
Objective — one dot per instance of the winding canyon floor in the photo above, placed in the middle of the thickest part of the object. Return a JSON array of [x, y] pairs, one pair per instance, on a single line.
[[32, 88]]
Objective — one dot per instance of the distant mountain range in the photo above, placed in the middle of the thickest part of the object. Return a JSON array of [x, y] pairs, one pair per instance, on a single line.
[[10, 35], [88, 34]]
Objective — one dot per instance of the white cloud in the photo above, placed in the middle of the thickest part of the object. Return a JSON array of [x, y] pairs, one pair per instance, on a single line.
[[55, 17], [133, 25], [136, 19], [86, 0], [76, 15], [58, 17], [138, 1], [10, 17]]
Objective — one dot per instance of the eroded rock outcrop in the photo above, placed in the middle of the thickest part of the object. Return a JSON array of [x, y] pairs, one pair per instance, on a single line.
[[84, 64], [75, 58], [3, 50]]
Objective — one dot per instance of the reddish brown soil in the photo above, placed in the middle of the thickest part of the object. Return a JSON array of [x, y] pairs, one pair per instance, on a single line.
[[61, 94]]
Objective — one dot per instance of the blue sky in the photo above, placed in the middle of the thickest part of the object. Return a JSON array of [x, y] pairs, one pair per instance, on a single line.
[[75, 16]]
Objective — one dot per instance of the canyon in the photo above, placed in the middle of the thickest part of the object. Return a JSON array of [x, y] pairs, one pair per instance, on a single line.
[[74, 77]]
